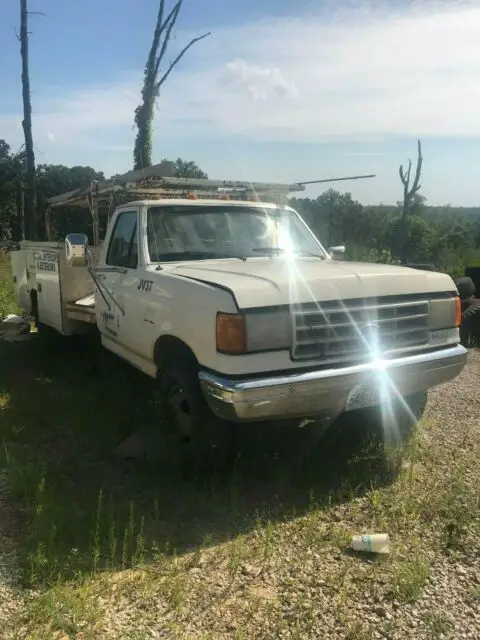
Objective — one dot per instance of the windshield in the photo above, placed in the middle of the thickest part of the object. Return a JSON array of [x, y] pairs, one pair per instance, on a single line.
[[196, 232]]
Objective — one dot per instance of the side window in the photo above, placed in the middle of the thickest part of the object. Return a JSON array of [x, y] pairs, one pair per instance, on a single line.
[[123, 249]]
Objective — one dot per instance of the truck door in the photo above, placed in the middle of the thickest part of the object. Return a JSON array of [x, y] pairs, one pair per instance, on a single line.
[[47, 280], [20, 278], [118, 280]]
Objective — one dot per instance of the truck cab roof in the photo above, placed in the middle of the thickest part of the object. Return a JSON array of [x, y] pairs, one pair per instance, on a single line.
[[165, 202]]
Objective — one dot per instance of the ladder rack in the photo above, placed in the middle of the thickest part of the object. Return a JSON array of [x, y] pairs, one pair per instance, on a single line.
[[158, 182]]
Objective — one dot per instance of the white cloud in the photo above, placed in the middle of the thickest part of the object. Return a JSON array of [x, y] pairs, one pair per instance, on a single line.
[[259, 82], [365, 73]]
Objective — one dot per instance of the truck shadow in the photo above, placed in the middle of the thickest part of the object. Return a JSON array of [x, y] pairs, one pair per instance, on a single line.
[[62, 413]]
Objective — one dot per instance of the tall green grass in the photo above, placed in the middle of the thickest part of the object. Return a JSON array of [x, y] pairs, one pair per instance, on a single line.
[[7, 291]]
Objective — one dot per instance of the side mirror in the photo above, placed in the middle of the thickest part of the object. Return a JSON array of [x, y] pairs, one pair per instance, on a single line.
[[338, 252], [76, 249]]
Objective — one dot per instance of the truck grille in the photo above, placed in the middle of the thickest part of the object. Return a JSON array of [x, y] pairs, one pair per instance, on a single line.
[[337, 331]]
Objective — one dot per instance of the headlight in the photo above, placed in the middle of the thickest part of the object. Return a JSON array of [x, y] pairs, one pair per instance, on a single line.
[[445, 313], [268, 330], [253, 332]]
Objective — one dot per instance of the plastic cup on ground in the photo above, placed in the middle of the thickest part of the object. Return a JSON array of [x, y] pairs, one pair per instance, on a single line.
[[373, 543]]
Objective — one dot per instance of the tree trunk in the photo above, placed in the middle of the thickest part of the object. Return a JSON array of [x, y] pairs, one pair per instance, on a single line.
[[403, 231], [30, 181], [19, 230], [408, 195], [143, 141], [154, 79]]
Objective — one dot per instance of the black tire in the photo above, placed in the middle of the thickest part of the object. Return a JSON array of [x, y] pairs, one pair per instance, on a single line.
[[470, 326], [465, 287], [203, 442]]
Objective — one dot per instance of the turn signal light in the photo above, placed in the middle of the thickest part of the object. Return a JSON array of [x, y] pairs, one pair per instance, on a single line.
[[231, 333], [458, 311]]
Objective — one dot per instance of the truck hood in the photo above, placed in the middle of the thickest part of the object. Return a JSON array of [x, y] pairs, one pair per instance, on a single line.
[[262, 282]]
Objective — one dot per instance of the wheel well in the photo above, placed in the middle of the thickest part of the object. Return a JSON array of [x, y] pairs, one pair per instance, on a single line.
[[170, 349]]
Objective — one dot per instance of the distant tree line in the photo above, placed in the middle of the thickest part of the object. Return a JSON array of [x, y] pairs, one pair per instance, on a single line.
[[447, 237], [52, 180]]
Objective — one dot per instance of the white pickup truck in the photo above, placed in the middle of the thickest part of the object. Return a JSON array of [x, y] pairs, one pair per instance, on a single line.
[[244, 315]]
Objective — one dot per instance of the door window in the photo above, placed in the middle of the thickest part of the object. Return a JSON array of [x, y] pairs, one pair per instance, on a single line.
[[123, 249]]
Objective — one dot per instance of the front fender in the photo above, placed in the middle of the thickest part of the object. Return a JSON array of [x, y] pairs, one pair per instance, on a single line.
[[186, 309]]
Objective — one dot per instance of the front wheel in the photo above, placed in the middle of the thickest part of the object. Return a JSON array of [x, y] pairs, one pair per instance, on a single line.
[[203, 441]]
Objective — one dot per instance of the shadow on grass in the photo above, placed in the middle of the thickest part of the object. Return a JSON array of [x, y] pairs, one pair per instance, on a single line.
[[63, 411]]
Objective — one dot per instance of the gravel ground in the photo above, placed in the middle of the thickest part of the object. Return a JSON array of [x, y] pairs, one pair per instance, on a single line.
[[294, 579], [309, 588]]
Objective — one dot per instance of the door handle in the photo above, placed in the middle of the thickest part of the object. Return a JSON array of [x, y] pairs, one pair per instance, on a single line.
[[101, 276]]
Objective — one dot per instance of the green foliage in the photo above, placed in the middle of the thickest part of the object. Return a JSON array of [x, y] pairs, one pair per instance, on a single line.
[[9, 170], [447, 237], [7, 293], [142, 151], [51, 180], [55, 179], [187, 169], [7, 300], [153, 78]]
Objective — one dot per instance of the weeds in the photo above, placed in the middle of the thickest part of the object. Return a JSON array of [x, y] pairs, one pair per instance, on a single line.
[[7, 292], [89, 519], [7, 300], [409, 578], [359, 631], [475, 592], [64, 610], [439, 625], [238, 552]]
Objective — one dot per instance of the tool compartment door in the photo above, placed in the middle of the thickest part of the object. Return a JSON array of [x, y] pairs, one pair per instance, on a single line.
[[21, 282], [49, 296]]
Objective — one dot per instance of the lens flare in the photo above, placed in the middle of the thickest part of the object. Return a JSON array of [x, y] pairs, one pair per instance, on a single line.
[[392, 402]]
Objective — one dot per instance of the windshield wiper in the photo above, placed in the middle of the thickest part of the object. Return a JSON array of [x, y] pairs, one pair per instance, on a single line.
[[272, 250], [196, 255], [309, 254], [279, 251]]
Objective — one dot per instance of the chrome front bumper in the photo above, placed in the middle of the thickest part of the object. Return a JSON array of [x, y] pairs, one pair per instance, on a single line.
[[326, 391]]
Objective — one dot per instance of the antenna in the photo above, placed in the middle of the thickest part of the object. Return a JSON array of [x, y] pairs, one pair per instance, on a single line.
[[370, 175]]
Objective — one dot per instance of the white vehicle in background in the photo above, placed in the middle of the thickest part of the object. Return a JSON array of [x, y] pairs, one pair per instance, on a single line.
[[240, 311]]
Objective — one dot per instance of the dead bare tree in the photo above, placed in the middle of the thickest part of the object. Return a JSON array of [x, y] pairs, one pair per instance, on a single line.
[[30, 177], [409, 192], [152, 83]]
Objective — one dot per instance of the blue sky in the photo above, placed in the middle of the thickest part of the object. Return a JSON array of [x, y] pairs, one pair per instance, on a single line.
[[283, 90]]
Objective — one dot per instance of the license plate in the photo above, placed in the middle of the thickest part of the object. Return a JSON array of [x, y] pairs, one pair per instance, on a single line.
[[363, 397], [443, 336]]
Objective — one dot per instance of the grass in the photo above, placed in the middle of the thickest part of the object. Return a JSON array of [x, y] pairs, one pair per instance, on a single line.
[[7, 302], [439, 624], [409, 578], [111, 548]]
